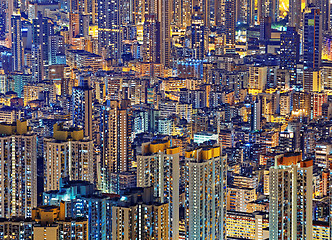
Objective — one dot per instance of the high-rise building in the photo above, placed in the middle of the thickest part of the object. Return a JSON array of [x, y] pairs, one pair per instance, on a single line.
[[82, 14], [323, 151], [257, 77], [113, 24], [230, 17], [55, 47], [295, 14], [38, 71], [256, 114], [116, 142], [312, 80], [165, 17], [205, 205], [291, 197], [241, 225], [312, 38], [42, 29], [137, 216], [109, 29], [267, 8], [238, 198], [325, 13], [321, 230], [182, 11], [140, 9], [318, 99], [18, 170], [81, 200], [46, 221], [74, 25], [16, 227], [265, 28], [158, 167], [51, 223], [212, 12], [67, 156], [289, 52], [17, 44], [151, 39], [82, 106], [245, 12], [197, 36]]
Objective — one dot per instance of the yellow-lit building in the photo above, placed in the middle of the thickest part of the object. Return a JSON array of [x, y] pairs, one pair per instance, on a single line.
[[31, 92], [175, 84], [140, 221], [205, 180], [247, 225], [81, 59], [312, 81], [67, 154], [257, 77], [18, 170], [291, 181], [238, 198], [50, 224], [320, 230], [158, 167]]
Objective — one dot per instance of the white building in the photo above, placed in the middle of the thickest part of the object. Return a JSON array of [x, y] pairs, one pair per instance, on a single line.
[[67, 155], [205, 208], [202, 137], [158, 167], [18, 171], [291, 198]]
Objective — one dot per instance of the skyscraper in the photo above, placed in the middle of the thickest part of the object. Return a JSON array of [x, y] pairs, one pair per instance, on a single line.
[[256, 114], [50, 222], [245, 12], [230, 17], [151, 39], [74, 25], [109, 29], [312, 38], [17, 44], [55, 48], [81, 200], [291, 198], [289, 53], [42, 29], [165, 17], [267, 8], [265, 28], [82, 14], [295, 14], [82, 106], [67, 156], [116, 142], [137, 216], [38, 71], [18, 170], [182, 11], [325, 12], [318, 99], [158, 167], [197, 36], [312, 81], [205, 206]]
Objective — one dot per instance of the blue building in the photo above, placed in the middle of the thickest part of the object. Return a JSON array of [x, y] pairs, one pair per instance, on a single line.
[[82, 200], [312, 38]]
